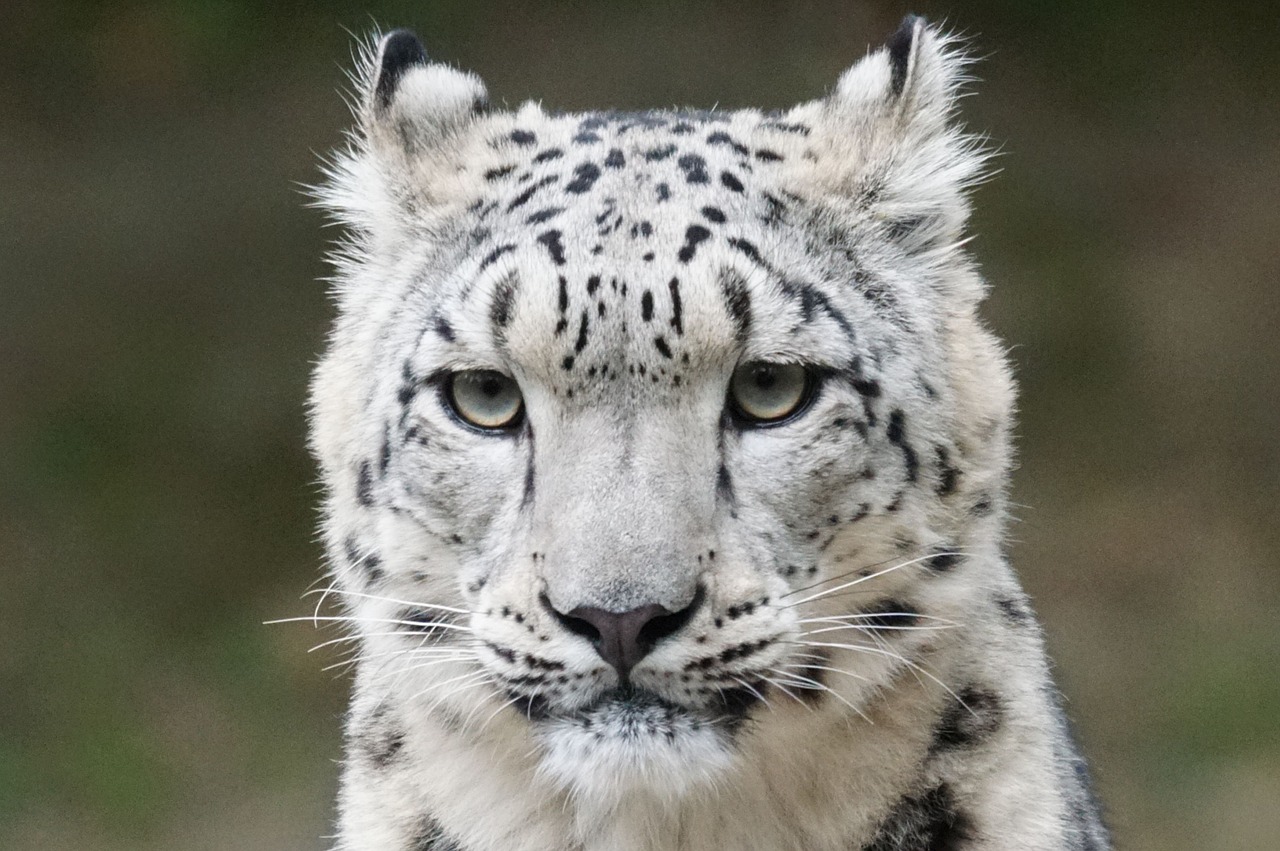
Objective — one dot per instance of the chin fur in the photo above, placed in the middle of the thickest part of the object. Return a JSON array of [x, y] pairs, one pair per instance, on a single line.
[[623, 747]]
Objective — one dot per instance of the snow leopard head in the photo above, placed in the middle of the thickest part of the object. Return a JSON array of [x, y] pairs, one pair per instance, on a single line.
[[642, 432]]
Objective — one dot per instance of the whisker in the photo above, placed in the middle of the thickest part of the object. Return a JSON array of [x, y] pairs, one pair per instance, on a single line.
[[400, 602], [867, 578], [746, 685], [862, 648], [355, 619], [838, 576], [786, 691], [817, 686], [872, 630]]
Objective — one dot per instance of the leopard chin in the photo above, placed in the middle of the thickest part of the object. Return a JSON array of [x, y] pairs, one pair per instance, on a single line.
[[632, 740]]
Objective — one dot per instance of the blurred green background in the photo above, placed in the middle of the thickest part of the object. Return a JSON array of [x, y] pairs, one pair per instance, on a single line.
[[159, 312]]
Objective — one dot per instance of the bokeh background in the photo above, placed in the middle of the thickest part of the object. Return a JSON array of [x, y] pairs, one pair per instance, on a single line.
[[160, 310]]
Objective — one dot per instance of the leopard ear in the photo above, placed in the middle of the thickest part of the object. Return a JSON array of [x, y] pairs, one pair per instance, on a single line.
[[897, 155], [915, 76], [411, 103]]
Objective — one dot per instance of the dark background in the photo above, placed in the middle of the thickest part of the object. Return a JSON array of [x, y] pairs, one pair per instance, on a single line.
[[160, 311]]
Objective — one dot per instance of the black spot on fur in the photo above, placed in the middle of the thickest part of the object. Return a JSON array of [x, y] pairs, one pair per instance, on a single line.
[[364, 484], [584, 177], [443, 329], [532, 706], [714, 214], [401, 51], [693, 237], [551, 239], [548, 155], [694, 168], [523, 138], [724, 484], [368, 562], [660, 344], [615, 159], [664, 191], [944, 562], [498, 173], [581, 342], [381, 738], [523, 198], [430, 836], [776, 211], [492, 256], [659, 154], [1015, 611], [889, 615], [677, 308], [646, 306], [899, 47], [530, 483], [730, 182], [968, 721], [766, 156], [948, 475], [722, 138], [544, 215], [926, 822], [866, 387], [897, 434], [749, 250], [812, 300], [797, 128]]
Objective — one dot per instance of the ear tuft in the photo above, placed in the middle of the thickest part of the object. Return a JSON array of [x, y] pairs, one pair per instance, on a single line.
[[901, 48], [400, 50]]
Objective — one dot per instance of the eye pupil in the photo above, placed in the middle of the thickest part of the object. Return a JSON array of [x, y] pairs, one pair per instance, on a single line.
[[765, 377]]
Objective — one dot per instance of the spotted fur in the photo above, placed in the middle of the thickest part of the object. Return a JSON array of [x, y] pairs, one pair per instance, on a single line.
[[847, 661]]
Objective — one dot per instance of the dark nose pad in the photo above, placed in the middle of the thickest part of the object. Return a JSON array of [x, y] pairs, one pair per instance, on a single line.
[[624, 638]]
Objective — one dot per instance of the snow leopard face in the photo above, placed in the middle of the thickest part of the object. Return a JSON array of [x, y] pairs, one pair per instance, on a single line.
[[633, 426]]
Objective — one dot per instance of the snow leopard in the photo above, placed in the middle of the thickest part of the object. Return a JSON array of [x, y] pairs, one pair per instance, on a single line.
[[666, 462]]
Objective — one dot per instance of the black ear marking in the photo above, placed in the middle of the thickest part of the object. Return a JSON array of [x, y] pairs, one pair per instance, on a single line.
[[401, 50], [899, 46]]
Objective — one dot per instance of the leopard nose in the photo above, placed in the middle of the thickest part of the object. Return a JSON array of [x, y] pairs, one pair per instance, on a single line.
[[624, 638]]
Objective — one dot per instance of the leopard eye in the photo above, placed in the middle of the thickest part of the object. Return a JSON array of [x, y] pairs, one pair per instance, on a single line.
[[485, 399], [763, 393]]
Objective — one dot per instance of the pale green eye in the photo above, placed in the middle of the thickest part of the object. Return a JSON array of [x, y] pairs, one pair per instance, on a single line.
[[763, 392], [485, 398]]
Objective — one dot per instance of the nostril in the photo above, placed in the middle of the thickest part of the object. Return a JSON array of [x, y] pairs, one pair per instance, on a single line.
[[664, 625], [578, 626]]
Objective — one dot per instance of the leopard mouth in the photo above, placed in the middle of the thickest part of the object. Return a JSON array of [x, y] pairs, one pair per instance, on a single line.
[[631, 712]]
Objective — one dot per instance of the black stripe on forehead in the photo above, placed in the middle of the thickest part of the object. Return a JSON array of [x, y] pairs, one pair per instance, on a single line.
[[503, 302], [737, 300]]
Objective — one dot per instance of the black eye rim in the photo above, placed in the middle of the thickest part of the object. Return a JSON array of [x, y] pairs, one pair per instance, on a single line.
[[449, 403], [812, 383]]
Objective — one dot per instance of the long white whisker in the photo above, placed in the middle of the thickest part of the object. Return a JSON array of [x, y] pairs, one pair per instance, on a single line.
[[867, 578], [872, 630], [412, 603], [822, 687], [879, 651], [786, 691]]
